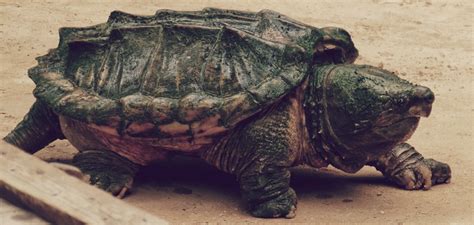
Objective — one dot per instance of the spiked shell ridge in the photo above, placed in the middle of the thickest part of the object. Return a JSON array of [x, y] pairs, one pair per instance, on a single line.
[[180, 67]]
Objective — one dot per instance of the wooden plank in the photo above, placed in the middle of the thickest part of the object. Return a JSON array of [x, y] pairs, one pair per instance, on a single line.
[[14, 215], [60, 198]]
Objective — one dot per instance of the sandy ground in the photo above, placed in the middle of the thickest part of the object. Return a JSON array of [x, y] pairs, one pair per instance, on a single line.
[[427, 42]]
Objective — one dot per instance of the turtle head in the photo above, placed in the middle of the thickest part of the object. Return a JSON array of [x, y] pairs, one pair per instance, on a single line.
[[365, 110]]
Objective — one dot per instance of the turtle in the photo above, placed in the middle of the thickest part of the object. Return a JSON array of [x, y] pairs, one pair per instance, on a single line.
[[251, 93]]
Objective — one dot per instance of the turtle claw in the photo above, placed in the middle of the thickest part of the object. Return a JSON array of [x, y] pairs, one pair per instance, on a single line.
[[423, 175], [119, 190], [116, 184], [441, 172], [122, 192]]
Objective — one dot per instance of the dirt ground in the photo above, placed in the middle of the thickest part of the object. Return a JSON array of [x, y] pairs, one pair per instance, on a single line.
[[426, 42]]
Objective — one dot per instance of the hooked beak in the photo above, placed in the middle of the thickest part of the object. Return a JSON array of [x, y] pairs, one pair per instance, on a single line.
[[422, 102]]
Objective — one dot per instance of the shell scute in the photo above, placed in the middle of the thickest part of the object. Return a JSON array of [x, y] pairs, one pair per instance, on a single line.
[[135, 106], [162, 110], [196, 106]]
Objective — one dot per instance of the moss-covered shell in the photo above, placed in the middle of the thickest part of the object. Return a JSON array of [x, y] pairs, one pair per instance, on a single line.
[[183, 67]]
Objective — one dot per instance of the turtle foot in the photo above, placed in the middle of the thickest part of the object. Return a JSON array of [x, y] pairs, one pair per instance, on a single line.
[[117, 184], [282, 206], [423, 175], [107, 170]]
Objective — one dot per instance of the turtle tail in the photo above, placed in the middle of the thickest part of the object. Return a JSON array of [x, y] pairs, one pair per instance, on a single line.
[[39, 127]]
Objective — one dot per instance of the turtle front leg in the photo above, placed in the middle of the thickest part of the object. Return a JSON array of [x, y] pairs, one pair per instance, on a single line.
[[260, 153], [107, 170], [410, 170]]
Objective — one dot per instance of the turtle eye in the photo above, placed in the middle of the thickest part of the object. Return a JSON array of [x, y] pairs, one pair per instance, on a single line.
[[400, 101]]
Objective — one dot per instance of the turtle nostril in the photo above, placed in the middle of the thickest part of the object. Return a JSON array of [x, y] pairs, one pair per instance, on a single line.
[[424, 95], [429, 97]]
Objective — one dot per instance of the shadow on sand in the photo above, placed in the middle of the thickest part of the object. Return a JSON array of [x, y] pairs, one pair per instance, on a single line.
[[183, 174]]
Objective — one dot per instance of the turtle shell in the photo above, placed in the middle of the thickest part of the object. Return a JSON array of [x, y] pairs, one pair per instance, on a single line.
[[182, 68]]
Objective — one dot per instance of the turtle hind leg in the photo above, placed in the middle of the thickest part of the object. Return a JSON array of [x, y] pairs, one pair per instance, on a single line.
[[107, 170], [39, 127]]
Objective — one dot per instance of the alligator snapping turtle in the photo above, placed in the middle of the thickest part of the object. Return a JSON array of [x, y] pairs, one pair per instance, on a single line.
[[251, 93]]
